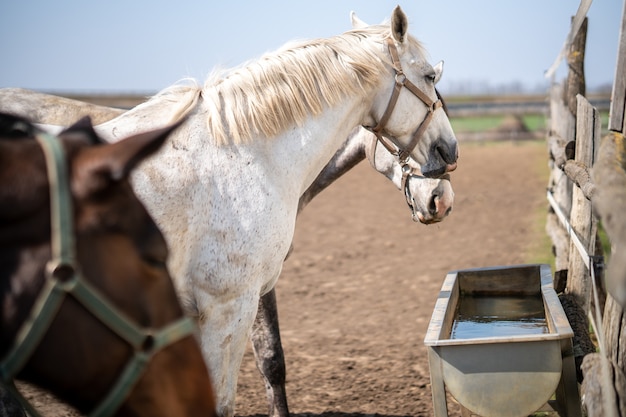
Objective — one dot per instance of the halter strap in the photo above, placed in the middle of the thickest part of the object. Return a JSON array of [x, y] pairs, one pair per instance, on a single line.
[[407, 173], [400, 82], [62, 279]]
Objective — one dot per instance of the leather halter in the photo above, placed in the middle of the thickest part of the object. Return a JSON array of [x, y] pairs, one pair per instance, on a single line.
[[400, 82], [63, 278], [394, 148]]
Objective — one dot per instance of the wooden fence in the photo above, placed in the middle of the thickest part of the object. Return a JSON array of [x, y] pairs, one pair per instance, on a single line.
[[587, 188]]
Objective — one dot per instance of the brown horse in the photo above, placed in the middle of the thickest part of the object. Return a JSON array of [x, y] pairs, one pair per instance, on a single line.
[[112, 338]]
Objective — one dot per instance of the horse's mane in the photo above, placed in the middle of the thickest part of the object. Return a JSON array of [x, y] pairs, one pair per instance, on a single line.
[[283, 88]]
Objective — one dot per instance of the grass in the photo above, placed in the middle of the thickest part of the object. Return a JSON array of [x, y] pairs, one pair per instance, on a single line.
[[534, 122], [475, 124]]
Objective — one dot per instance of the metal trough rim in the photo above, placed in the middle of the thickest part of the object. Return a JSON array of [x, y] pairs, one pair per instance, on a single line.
[[557, 321]]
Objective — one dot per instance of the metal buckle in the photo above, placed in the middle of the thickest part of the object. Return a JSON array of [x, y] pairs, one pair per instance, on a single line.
[[400, 77]]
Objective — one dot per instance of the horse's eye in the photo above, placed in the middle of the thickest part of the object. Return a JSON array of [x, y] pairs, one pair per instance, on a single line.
[[431, 77], [155, 256], [155, 262]]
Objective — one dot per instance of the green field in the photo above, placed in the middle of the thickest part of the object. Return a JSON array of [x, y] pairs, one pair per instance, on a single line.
[[534, 122]]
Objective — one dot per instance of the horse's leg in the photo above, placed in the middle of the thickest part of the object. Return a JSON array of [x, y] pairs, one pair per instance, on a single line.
[[268, 352], [225, 329], [266, 344]]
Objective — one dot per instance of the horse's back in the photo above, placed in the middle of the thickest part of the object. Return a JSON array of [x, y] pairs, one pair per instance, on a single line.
[[51, 109]]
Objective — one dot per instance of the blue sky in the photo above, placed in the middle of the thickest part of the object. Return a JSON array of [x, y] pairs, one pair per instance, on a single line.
[[144, 46]]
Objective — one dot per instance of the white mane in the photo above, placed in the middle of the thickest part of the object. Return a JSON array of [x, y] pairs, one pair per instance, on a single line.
[[283, 88]]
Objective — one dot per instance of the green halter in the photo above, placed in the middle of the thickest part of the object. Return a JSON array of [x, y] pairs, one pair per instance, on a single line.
[[62, 278]]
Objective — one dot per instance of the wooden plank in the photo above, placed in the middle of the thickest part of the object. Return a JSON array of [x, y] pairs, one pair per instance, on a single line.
[[609, 174], [561, 132], [604, 387], [581, 217], [617, 120], [575, 84]]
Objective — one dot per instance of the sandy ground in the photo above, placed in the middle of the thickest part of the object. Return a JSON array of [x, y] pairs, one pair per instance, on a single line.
[[356, 296]]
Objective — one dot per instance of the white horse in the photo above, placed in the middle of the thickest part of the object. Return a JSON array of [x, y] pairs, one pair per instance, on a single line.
[[430, 200], [226, 189]]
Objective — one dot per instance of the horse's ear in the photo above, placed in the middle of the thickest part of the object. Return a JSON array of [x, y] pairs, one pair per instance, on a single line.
[[82, 130], [356, 22], [438, 71], [399, 25], [97, 167]]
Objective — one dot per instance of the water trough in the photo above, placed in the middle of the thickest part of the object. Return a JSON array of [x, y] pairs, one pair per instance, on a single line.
[[499, 342]]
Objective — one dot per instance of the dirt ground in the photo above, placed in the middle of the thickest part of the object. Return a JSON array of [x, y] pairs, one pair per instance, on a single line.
[[356, 296]]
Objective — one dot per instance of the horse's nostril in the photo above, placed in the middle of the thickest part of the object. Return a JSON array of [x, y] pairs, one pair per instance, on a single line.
[[447, 153], [432, 205]]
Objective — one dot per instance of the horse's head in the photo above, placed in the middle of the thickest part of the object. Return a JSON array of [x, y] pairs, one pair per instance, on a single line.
[[430, 199], [407, 110], [117, 260]]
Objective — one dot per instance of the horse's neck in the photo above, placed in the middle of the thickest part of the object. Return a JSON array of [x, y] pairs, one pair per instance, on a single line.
[[351, 153], [305, 152]]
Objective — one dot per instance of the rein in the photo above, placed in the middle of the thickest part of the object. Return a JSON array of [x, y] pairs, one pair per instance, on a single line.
[[62, 279], [403, 155]]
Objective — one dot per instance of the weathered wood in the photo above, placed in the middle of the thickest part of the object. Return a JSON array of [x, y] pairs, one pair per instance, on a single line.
[[557, 148], [615, 334], [579, 173], [576, 75], [582, 219], [561, 133], [609, 175], [617, 120], [603, 387], [601, 392]]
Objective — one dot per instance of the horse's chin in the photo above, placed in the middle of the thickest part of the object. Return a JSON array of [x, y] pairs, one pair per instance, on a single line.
[[420, 218]]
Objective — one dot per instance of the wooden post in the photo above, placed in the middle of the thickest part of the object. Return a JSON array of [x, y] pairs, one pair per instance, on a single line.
[[561, 122], [581, 217], [562, 134], [563, 108], [576, 75], [617, 121], [604, 386]]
